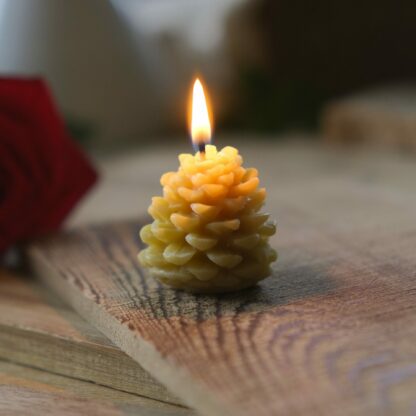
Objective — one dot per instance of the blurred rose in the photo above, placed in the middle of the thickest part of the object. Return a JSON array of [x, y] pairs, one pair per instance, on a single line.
[[43, 174]]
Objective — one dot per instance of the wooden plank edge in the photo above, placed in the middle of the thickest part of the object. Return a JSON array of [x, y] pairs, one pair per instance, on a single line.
[[177, 380], [27, 391], [83, 362]]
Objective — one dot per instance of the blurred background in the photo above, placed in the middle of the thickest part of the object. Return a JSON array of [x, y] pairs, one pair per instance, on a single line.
[[120, 70]]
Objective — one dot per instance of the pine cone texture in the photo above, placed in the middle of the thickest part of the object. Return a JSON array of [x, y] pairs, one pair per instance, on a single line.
[[208, 234]]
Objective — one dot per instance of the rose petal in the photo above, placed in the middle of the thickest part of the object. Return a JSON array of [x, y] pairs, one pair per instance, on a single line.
[[43, 173]]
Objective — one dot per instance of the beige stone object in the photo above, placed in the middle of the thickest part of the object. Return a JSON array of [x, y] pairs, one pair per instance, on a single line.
[[384, 117]]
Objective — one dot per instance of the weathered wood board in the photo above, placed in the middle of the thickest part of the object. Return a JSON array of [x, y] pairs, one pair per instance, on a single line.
[[29, 392], [38, 330], [332, 332]]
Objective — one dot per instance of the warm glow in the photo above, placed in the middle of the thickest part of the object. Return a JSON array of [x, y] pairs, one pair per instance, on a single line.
[[200, 122]]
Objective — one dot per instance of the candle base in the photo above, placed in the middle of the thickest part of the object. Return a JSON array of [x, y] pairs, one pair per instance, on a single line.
[[212, 290], [225, 283]]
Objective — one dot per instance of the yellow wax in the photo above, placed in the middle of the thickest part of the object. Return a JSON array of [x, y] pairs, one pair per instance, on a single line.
[[208, 234]]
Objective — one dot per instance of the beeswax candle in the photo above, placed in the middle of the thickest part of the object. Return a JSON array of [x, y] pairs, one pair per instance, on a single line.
[[208, 233]]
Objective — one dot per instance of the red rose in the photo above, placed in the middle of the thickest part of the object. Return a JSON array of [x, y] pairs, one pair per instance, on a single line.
[[43, 174]]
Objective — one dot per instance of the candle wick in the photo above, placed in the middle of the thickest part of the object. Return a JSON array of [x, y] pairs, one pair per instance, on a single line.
[[201, 148]]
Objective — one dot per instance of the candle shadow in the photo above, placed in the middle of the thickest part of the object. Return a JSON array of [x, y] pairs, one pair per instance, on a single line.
[[287, 285]]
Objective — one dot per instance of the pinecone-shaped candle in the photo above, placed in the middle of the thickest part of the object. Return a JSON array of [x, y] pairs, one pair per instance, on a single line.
[[208, 233]]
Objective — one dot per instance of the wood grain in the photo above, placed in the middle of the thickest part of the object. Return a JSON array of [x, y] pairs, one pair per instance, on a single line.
[[332, 332], [29, 392], [38, 330]]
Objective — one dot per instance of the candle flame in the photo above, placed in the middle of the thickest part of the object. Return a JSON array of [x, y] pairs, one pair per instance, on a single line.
[[200, 120]]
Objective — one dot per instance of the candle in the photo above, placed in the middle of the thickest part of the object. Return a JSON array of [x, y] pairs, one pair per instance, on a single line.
[[209, 234]]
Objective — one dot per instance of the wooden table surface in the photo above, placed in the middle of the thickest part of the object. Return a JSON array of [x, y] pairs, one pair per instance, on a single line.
[[38, 330], [332, 332], [26, 391]]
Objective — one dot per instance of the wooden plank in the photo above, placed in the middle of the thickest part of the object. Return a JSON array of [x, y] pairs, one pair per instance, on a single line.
[[38, 330], [382, 117], [29, 392], [333, 332]]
